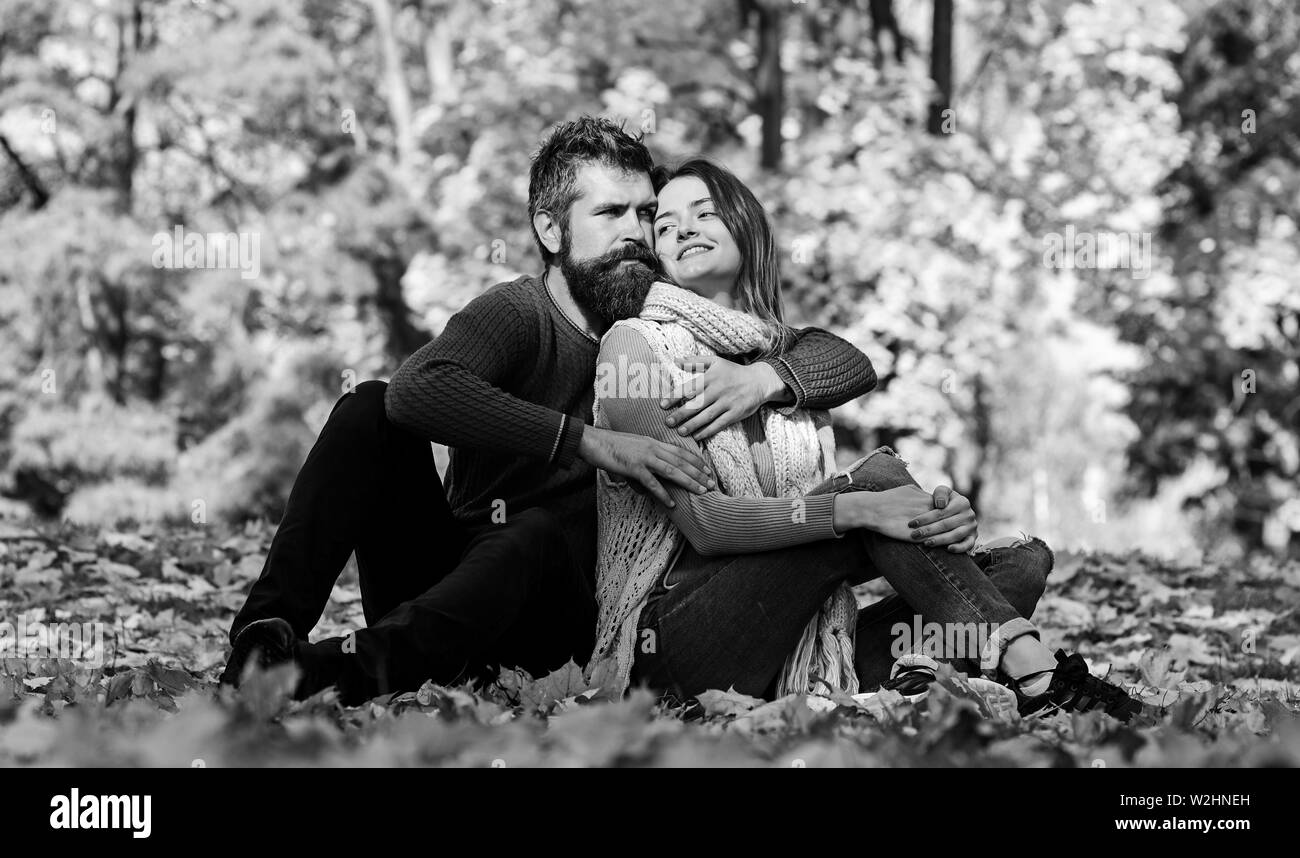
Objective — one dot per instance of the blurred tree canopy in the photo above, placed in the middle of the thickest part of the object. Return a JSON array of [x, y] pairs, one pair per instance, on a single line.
[[918, 159]]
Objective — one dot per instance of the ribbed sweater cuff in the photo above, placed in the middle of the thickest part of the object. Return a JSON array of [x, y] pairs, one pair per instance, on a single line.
[[569, 436], [821, 516], [787, 375]]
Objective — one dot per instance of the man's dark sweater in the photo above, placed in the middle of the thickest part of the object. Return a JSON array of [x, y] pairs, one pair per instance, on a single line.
[[509, 385]]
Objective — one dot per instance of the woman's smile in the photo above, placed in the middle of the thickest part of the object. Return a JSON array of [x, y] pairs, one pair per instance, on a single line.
[[693, 250]]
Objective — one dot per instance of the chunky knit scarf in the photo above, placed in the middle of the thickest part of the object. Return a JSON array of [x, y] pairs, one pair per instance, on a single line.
[[637, 539]]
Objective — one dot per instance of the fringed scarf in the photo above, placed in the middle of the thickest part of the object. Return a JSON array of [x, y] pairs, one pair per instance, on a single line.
[[637, 539]]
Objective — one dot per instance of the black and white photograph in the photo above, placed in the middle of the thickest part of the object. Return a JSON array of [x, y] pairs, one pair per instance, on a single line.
[[468, 384]]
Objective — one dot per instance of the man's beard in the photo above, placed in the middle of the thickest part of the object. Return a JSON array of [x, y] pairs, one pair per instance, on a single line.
[[608, 288]]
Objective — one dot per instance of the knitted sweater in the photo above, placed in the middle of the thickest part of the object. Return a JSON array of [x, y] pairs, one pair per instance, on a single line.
[[508, 387], [714, 523], [764, 466]]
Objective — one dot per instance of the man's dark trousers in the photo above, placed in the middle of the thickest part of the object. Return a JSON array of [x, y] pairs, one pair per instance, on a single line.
[[442, 600]]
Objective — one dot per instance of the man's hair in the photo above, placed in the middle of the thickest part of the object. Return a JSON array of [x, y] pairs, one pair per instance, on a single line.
[[758, 284], [553, 177]]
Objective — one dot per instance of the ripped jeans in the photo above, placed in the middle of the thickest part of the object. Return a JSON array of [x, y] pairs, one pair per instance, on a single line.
[[731, 621]]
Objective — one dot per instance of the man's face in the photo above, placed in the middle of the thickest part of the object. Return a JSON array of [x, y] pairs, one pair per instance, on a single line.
[[606, 254]]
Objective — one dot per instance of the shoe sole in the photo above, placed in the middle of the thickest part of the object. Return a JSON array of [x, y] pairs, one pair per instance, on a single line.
[[910, 698], [1124, 713], [1001, 701]]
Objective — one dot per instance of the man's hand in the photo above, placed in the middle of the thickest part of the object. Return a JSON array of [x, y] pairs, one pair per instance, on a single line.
[[639, 458], [952, 522], [724, 393]]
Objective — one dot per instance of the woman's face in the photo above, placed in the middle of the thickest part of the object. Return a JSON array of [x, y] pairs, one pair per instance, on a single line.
[[694, 247]]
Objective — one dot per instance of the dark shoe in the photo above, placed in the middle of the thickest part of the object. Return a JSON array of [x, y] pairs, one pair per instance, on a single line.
[[272, 639], [1074, 689], [319, 665], [911, 676]]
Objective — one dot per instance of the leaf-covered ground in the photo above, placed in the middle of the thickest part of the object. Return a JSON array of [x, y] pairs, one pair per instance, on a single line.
[[1215, 650]]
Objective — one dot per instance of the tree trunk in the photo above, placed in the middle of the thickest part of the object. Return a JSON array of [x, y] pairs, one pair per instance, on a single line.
[[438, 60], [94, 357], [769, 78], [941, 65], [397, 92], [403, 336], [983, 420], [130, 42], [883, 21]]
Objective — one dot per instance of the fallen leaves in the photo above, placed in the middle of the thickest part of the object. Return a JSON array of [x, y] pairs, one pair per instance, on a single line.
[[1213, 650]]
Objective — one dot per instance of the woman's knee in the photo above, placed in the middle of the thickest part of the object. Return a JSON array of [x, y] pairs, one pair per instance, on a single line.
[[879, 470], [1031, 561], [1041, 562], [1040, 559]]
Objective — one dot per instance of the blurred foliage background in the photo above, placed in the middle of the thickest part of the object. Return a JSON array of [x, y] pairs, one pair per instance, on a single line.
[[917, 157]]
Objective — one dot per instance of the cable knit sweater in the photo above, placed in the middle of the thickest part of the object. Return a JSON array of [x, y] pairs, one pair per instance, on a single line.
[[764, 468], [508, 387]]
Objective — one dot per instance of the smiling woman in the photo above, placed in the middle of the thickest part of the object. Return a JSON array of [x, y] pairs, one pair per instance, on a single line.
[[694, 246], [748, 587], [712, 236]]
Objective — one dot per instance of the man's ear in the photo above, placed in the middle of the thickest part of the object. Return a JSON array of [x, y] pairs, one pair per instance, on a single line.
[[548, 230]]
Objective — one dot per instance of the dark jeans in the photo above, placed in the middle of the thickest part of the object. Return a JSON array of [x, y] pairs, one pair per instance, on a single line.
[[719, 622], [441, 600]]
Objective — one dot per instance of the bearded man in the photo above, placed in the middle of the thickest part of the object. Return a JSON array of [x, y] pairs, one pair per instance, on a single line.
[[497, 567]]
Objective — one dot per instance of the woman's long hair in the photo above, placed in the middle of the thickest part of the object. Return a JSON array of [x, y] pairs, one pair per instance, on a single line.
[[758, 285]]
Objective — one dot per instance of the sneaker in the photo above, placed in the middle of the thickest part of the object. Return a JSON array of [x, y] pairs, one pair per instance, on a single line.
[[911, 676], [272, 640], [1074, 689], [999, 700]]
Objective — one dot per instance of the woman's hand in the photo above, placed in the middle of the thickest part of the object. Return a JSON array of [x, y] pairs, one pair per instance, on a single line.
[[724, 392], [952, 522], [909, 514]]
